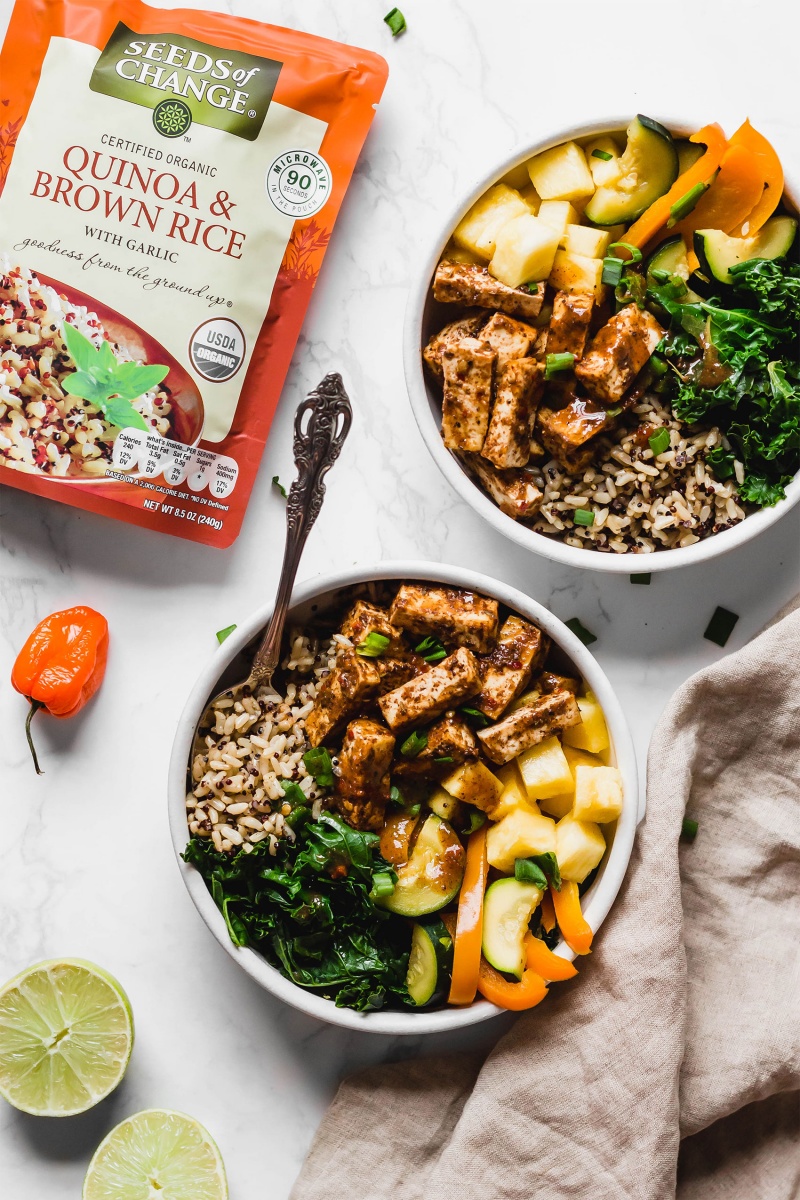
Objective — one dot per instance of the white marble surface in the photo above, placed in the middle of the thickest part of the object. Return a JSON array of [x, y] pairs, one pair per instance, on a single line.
[[87, 865]]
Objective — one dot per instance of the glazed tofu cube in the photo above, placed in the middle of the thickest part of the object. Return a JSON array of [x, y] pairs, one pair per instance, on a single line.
[[618, 352], [362, 789], [468, 368], [580, 846], [529, 725], [544, 770], [575, 273], [567, 431], [598, 794], [558, 214], [517, 392], [521, 834], [457, 617], [364, 619], [592, 733], [561, 173], [513, 491], [508, 338], [569, 324], [352, 683], [605, 171], [459, 283], [428, 695], [453, 333], [548, 682], [525, 250], [521, 647], [477, 231], [450, 741], [585, 241], [395, 671], [475, 784]]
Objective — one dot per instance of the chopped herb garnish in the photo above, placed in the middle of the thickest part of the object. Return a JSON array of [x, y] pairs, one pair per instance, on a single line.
[[583, 516], [643, 578], [383, 883], [277, 484], [580, 631], [446, 758], [659, 442], [558, 362], [614, 411], [526, 871], [396, 796], [431, 650], [689, 829], [603, 155], [414, 744], [476, 820], [396, 21], [373, 646], [319, 765], [549, 864], [612, 271], [634, 252], [721, 626], [681, 208], [222, 634], [532, 287], [293, 793], [474, 715]]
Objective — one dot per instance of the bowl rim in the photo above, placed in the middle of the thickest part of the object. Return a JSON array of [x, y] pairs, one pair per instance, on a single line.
[[421, 395], [601, 895]]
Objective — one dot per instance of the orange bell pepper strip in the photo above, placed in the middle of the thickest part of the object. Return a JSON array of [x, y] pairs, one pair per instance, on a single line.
[[516, 997], [540, 958], [574, 928], [548, 913], [736, 188], [469, 923], [61, 665], [772, 174], [656, 216]]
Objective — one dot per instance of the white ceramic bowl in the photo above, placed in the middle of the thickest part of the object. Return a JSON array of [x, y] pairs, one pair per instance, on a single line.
[[427, 406], [320, 593]]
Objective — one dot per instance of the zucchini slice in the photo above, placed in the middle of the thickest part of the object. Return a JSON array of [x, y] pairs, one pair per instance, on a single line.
[[669, 256], [432, 876], [648, 169], [717, 252], [430, 963], [688, 154], [507, 908]]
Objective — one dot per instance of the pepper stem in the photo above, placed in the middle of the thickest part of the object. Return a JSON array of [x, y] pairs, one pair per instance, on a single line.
[[34, 708]]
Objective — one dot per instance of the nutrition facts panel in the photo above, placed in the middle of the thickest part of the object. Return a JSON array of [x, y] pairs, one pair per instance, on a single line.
[[148, 455]]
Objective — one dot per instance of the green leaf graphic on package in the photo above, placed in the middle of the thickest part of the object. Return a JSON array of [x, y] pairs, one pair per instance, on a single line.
[[105, 381]]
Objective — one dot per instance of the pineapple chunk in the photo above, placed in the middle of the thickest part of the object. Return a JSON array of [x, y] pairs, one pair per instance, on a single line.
[[514, 793], [475, 784], [558, 806], [545, 770], [598, 794], [531, 198], [443, 804], [575, 273], [580, 846], [519, 835], [605, 171], [517, 178], [477, 231], [524, 252], [585, 241], [454, 253], [561, 173], [559, 214], [592, 733]]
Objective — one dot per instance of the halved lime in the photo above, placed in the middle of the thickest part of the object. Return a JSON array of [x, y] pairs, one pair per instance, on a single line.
[[157, 1155], [66, 1034]]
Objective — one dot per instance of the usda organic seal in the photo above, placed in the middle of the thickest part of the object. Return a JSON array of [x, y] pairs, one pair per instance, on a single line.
[[298, 183], [217, 348]]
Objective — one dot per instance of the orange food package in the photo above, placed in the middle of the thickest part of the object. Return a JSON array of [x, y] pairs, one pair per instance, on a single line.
[[169, 181]]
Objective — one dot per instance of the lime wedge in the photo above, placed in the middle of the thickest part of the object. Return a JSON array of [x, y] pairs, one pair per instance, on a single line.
[[66, 1034], [157, 1155]]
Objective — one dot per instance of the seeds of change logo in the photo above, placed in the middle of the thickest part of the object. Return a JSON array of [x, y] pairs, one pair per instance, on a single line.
[[216, 349], [298, 183]]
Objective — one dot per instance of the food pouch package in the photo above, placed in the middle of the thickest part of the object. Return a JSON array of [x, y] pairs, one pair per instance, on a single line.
[[169, 181]]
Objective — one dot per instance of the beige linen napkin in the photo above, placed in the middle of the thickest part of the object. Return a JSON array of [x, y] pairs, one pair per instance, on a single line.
[[683, 1023]]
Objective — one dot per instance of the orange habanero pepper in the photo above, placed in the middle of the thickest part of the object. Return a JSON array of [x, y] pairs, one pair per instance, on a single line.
[[62, 664], [469, 925]]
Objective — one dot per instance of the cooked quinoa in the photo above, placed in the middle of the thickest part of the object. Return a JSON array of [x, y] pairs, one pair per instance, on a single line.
[[43, 430], [257, 741]]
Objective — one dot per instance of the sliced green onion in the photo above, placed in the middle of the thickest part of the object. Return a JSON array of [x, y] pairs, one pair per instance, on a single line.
[[532, 287], [396, 21], [526, 871], [431, 650], [580, 631], [414, 744], [614, 411], [293, 793], [446, 758], [681, 208], [476, 820], [603, 155], [222, 634], [659, 442], [689, 829], [277, 484], [643, 579], [612, 271], [658, 366], [382, 884], [558, 362], [373, 645], [583, 516], [635, 252], [396, 796], [319, 765], [477, 716], [721, 626]]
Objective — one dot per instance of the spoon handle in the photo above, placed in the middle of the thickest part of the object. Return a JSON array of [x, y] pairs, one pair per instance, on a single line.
[[317, 444]]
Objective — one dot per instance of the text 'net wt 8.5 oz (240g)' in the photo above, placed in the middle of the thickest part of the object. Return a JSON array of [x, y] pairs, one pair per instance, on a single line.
[[169, 181]]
